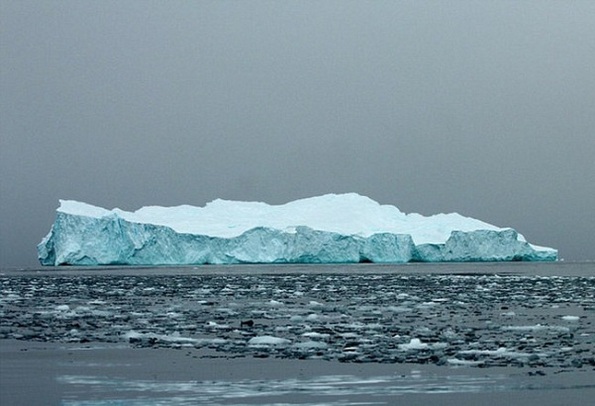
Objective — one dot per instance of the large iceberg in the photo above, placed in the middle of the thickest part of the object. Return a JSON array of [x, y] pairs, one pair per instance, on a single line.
[[343, 228]]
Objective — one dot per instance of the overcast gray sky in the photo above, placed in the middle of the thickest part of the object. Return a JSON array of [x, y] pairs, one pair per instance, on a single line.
[[486, 108]]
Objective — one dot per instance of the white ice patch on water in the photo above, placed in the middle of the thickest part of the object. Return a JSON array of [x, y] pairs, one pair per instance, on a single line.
[[414, 344], [267, 340], [461, 362], [307, 345], [9, 297], [537, 327], [217, 326], [170, 338], [315, 317], [315, 335], [398, 309], [500, 352]]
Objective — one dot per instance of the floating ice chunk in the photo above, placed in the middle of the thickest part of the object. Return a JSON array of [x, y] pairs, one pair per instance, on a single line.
[[461, 362], [313, 334], [315, 317], [267, 340], [500, 352], [10, 297], [327, 229], [414, 344], [537, 327], [570, 318], [398, 309], [307, 345], [449, 334], [215, 325], [426, 305], [133, 336]]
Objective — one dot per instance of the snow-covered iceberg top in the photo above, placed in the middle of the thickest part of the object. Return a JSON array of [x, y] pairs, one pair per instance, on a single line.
[[329, 228]]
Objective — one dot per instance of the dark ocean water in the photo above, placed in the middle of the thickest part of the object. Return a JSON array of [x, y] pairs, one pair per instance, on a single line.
[[530, 325]]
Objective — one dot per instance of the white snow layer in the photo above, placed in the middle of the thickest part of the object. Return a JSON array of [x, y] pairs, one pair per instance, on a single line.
[[329, 228]]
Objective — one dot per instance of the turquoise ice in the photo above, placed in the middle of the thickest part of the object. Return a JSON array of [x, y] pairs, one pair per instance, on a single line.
[[346, 228]]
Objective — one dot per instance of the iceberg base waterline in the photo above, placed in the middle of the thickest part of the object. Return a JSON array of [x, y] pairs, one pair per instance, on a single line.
[[327, 229]]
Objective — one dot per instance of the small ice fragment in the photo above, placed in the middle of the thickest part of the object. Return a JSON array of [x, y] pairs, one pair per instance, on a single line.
[[311, 345], [313, 334], [456, 361], [267, 340], [414, 344]]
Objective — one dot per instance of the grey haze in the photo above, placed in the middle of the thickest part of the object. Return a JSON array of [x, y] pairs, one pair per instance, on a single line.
[[486, 108]]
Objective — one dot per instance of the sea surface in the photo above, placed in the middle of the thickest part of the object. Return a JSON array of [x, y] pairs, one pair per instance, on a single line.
[[299, 334]]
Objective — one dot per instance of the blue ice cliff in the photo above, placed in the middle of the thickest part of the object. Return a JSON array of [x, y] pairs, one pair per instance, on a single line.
[[344, 228]]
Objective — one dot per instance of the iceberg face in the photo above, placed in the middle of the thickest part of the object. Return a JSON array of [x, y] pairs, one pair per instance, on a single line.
[[344, 228]]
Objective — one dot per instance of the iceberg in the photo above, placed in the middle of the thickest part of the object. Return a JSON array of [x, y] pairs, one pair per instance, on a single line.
[[334, 228]]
